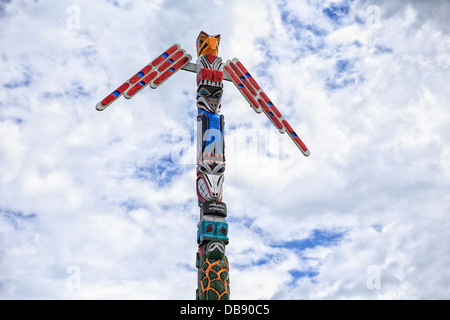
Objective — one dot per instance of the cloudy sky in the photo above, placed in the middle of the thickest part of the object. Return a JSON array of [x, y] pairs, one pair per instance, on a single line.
[[102, 205]]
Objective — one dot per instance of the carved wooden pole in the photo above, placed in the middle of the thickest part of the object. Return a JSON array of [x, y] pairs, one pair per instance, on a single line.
[[212, 233], [212, 228]]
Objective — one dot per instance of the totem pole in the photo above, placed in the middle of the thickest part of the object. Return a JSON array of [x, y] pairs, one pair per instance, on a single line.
[[212, 228]]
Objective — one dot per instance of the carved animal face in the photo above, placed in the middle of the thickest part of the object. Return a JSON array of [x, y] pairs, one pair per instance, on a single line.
[[210, 181], [207, 44], [215, 249], [209, 98]]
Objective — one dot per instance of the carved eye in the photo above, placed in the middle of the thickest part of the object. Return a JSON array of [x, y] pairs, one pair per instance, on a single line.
[[204, 93], [221, 170], [202, 169], [219, 95]]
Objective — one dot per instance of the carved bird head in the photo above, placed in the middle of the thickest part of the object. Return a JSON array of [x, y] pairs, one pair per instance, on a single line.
[[207, 44]]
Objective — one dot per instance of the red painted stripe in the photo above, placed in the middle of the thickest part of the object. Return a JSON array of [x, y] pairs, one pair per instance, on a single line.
[[218, 75], [273, 118], [288, 127], [241, 66], [236, 81], [266, 98], [253, 82], [210, 75], [246, 81], [163, 77], [180, 63], [249, 97], [108, 99], [168, 73], [175, 57], [290, 131], [134, 89], [236, 70], [139, 86], [249, 86], [275, 110], [111, 97], [146, 69], [136, 77], [300, 142], [211, 58], [232, 75], [205, 74], [161, 58], [172, 49], [150, 77], [277, 123], [157, 61], [263, 105]]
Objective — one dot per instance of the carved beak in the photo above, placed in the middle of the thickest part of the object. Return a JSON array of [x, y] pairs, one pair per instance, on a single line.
[[212, 47]]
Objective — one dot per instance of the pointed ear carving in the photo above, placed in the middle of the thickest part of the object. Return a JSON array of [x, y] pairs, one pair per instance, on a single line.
[[217, 36], [201, 37]]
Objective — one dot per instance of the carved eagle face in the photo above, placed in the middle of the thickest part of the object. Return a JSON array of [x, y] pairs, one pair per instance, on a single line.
[[207, 44]]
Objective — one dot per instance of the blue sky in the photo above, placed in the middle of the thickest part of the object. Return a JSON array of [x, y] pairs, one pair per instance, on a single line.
[[106, 193]]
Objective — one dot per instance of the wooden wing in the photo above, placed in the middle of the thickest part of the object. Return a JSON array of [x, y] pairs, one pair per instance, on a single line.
[[153, 74], [259, 101]]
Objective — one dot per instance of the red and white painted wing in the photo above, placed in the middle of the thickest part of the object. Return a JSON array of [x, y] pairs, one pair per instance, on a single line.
[[153, 74], [259, 101]]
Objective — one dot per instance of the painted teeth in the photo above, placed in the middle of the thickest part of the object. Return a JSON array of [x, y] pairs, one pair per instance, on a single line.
[[203, 190]]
